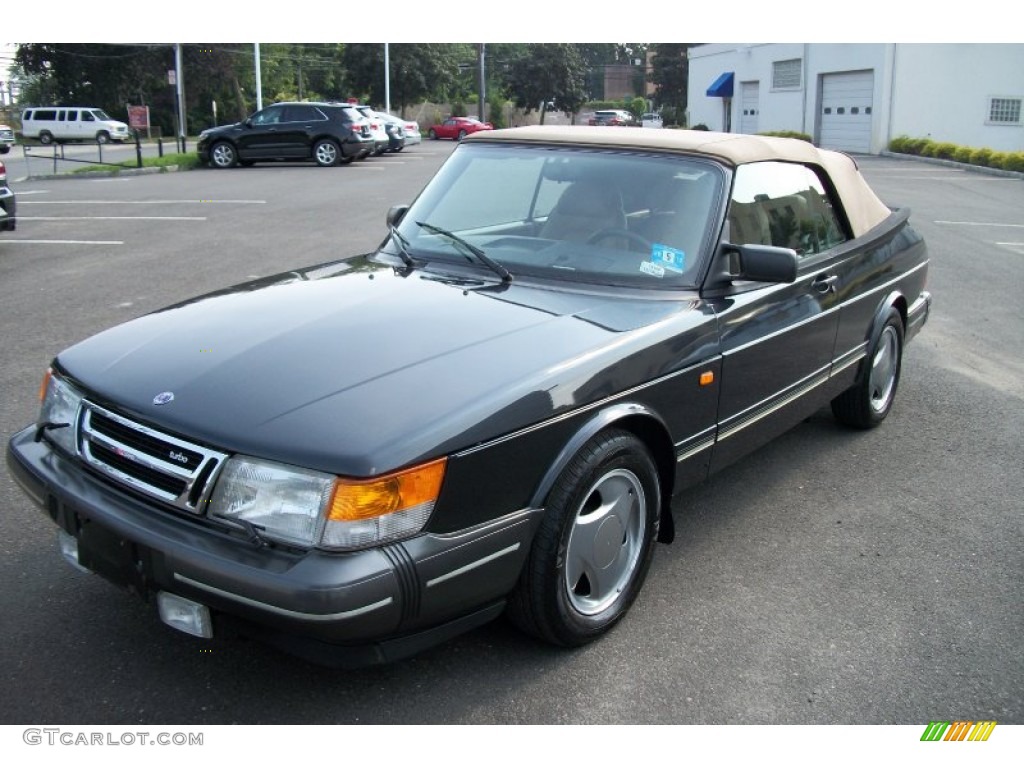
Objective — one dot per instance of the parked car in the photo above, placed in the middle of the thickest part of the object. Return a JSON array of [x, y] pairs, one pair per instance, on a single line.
[[458, 128], [326, 133], [612, 117], [650, 120], [61, 124], [6, 139], [8, 203], [580, 325], [383, 139], [410, 129]]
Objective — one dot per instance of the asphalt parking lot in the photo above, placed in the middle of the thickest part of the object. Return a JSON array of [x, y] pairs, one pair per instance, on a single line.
[[830, 577]]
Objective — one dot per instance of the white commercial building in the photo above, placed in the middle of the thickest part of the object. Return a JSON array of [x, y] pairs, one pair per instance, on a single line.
[[857, 96]]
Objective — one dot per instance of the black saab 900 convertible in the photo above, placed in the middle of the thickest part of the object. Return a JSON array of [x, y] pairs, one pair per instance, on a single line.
[[581, 324]]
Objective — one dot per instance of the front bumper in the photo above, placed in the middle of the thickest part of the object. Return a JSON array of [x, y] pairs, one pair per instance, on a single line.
[[347, 609], [9, 204]]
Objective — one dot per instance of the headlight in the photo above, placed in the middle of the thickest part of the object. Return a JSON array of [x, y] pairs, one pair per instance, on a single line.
[[316, 509], [59, 413]]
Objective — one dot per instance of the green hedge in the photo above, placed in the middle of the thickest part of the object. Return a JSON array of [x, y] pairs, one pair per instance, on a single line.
[[788, 135], [944, 150]]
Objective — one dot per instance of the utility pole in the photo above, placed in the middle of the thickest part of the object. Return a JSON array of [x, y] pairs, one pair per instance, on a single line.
[[482, 97], [180, 94], [387, 80], [259, 78]]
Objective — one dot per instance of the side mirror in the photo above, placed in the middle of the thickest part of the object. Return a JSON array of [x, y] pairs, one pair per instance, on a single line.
[[395, 214], [761, 263], [248, 122]]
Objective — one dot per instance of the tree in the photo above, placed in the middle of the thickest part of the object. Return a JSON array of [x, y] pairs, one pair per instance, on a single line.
[[548, 73], [418, 70], [669, 73]]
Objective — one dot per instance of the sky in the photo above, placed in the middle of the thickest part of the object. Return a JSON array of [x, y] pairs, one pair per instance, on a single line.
[[742, 21]]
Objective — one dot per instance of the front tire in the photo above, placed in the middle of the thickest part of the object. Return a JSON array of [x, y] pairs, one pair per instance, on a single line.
[[326, 153], [868, 402], [593, 548], [102, 137], [45, 137], [223, 155]]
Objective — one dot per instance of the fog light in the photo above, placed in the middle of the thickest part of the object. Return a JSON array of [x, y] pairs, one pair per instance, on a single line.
[[186, 615], [68, 545]]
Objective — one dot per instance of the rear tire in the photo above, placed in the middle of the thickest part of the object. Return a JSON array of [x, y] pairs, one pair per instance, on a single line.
[[591, 553], [326, 153], [432, 134], [868, 402], [462, 135]]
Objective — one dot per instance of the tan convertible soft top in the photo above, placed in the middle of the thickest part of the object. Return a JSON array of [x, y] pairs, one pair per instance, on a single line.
[[863, 208]]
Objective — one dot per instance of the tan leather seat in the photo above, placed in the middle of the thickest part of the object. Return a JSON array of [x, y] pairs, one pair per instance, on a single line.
[[748, 224], [583, 210]]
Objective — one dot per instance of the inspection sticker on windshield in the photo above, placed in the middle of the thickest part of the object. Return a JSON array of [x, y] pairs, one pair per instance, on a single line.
[[668, 258], [650, 268]]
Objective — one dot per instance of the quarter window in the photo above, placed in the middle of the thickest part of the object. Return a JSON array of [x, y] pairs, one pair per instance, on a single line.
[[787, 74], [783, 204]]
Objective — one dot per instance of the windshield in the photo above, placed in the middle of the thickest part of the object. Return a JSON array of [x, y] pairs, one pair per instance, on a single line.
[[596, 216], [101, 115]]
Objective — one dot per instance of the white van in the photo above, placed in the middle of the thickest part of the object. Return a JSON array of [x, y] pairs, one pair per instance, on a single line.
[[50, 124]]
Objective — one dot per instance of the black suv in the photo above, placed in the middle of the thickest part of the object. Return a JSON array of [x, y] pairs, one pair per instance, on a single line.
[[8, 203], [327, 133]]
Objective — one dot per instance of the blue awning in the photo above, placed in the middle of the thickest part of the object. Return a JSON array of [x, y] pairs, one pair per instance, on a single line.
[[722, 87]]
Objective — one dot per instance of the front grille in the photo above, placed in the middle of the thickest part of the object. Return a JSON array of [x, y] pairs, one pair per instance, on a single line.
[[157, 464]]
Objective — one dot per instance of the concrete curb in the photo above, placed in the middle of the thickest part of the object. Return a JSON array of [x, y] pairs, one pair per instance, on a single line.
[[954, 164]]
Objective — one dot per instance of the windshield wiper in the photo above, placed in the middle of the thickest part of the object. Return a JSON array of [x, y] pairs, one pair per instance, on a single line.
[[402, 245], [494, 266]]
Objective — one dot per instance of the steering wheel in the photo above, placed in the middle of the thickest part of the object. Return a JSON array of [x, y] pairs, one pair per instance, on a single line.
[[610, 232]]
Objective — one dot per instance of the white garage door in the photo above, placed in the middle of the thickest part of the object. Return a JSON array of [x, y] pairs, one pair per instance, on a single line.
[[846, 101], [748, 106]]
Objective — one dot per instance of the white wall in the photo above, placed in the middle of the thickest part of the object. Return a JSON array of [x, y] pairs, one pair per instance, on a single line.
[[942, 92], [936, 90]]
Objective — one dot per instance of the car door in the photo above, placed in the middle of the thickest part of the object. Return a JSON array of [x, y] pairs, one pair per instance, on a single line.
[[261, 136], [777, 340], [300, 125]]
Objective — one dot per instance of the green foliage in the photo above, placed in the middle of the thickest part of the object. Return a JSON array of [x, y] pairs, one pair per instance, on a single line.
[[1014, 162], [700, 127], [998, 159], [788, 135], [547, 73], [419, 71], [963, 154], [980, 156], [637, 106], [899, 144], [184, 161], [669, 73], [458, 109], [1007, 161], [496, 111]]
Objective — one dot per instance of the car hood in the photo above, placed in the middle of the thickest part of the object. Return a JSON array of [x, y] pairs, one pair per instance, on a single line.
[[356, 369]]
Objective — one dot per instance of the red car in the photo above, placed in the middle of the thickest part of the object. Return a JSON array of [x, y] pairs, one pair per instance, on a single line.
[[457, 128]]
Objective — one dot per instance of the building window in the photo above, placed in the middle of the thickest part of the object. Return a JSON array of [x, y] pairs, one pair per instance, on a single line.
[[787, 74], [1004, 111]]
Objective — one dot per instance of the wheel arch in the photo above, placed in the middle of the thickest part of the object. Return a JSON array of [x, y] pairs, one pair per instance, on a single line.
[[894, 300], [648, 427]]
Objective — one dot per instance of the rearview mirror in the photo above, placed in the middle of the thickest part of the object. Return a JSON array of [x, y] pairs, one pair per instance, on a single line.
[[395, 214], [761, 263]]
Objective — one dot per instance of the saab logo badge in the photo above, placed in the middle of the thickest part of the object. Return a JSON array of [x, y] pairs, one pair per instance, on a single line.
[[960, 730], [163, 398]]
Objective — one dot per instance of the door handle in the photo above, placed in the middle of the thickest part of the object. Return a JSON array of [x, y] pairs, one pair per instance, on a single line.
[[825, 283]]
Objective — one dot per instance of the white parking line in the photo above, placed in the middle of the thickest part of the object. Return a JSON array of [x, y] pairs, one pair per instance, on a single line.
[[981, 224], [64, 242], [143, 202], [112, 218]]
